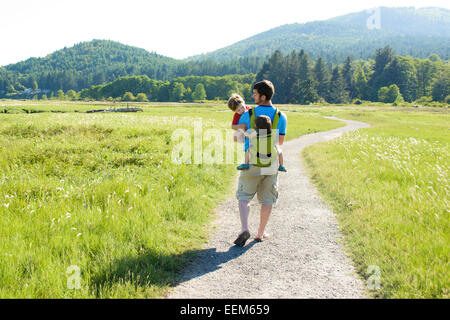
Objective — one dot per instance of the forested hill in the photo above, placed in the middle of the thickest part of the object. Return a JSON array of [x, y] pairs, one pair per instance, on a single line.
[[101, 61], [409, 31]]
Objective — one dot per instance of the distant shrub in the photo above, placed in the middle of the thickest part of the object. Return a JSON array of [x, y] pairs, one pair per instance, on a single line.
[[128, 96], [141, 97]]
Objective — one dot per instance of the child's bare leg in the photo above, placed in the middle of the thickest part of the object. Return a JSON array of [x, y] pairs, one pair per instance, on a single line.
[[247, 156], [280, 161], [280, 158]]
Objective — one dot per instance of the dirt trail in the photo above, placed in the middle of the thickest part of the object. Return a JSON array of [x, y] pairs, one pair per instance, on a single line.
[[303, 259]]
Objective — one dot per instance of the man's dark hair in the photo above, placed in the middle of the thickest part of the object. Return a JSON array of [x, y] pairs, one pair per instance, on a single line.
[[264, 123], [265, 88]]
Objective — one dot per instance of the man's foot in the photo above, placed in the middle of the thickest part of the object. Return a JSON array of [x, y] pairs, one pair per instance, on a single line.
[[243, 166], [264, 237], [242, 238], [281, 168]]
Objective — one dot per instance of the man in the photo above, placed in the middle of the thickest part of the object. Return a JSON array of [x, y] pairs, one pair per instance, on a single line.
[[259, 180]]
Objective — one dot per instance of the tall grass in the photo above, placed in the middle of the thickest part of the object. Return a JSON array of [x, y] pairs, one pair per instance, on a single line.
[[100, 192], [389, 185]]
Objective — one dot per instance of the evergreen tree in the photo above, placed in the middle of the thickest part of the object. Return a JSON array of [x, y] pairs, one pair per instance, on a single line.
[[383, 57], [304, 87], [347, 74], [322, 77], [338, 94], [361, 86]]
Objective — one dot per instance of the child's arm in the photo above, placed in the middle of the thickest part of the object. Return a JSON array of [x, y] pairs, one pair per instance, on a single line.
[[238, 135], [242, 126]]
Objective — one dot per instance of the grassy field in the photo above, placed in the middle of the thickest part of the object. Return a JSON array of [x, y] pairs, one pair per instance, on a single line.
[[389, 185], [94, 202]]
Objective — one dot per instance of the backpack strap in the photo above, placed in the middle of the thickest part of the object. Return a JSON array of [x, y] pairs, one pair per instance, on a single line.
[[251, 113], [275, 119]]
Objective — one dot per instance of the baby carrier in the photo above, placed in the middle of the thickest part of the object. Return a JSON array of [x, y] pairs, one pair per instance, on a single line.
[[262, 148]]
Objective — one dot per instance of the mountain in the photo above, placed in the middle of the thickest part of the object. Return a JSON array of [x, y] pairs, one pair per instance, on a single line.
[[409, 31], [101, 61], [96, 54]]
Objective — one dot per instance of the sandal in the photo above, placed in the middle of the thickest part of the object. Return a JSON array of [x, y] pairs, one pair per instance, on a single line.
[[263, 238]]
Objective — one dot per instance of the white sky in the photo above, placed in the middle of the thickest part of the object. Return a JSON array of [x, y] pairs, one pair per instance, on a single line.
[[174, 28]]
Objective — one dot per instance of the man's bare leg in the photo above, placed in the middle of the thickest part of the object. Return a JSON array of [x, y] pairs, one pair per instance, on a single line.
[[266, 209], [244, 210]]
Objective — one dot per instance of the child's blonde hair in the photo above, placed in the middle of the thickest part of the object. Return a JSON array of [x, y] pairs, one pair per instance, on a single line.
[[235, 101]]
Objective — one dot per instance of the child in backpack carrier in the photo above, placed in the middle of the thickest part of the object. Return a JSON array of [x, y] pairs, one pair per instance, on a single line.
[[237, 104], [263, 126]]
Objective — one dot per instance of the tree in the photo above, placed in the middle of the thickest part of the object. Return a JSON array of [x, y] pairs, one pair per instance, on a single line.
[[361, 86], [390, 94], [71, 95], [338, 94], [441, 87], [177, 91], [401, 71], [383, 57], [305, 86], [60, 94], [322, 77], [141, 97], [128, 96], [199, 92], [347, 75], [426, 70]]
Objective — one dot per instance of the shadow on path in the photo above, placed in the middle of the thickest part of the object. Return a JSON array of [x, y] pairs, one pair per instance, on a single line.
[[160, 270]]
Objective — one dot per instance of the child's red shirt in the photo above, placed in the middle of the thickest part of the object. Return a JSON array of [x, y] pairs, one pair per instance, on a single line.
[[237, 116]]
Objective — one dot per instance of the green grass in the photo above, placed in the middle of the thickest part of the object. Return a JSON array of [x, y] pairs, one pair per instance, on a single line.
[[389, 185], [99, 191]]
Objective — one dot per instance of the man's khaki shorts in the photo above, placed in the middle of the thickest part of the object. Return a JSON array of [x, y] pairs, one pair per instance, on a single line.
[[265, 186]]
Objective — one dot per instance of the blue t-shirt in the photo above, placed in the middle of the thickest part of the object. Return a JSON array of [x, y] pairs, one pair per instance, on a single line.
[[264, 111]]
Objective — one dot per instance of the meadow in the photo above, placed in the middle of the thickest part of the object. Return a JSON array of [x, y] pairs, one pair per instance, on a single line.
[[389, 186], [92, 206]]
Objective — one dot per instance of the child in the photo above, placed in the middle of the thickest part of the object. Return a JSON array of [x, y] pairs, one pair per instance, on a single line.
[[263, 125], [237, 104]]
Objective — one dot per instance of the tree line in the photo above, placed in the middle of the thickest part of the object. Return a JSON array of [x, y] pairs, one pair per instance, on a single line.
[[142, 89], [386, 78]]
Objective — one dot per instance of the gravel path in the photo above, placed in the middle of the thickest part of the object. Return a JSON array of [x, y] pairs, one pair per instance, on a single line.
[[303, 259]]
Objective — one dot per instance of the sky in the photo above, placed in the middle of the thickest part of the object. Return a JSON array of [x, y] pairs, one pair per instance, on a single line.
[[173, 28]]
